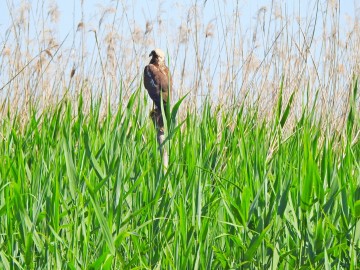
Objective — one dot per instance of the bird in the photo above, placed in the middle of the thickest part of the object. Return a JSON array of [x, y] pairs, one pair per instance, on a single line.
[[157, 78], [158, 83]]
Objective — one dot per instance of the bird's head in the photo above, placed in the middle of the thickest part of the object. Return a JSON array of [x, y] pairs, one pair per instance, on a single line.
[[157, 55]]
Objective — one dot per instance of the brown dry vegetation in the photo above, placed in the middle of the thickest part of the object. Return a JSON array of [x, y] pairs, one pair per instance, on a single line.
[[217, 59]]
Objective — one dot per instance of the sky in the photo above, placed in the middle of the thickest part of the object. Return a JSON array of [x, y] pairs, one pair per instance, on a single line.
[[72, 12]]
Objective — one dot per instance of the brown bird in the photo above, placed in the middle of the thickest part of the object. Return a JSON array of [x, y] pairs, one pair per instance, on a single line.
[[157, 78]]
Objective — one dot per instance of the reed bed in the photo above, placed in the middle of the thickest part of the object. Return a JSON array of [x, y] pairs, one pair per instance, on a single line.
[[262, 140], [81, 193]]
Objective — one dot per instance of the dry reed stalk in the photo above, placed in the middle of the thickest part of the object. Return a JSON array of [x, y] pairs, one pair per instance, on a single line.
[[215, 57]]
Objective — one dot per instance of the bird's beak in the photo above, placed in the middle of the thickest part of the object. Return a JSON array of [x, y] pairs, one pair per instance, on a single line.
[[152, 54]]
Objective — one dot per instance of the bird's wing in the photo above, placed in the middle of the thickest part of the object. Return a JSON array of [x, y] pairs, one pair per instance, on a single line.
[[166, 81], [156, 80]]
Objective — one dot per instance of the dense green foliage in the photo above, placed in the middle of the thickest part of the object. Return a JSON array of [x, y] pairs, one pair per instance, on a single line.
[[80, 192]]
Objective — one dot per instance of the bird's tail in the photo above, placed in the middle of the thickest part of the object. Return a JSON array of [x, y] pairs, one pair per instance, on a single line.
[[157, 119]]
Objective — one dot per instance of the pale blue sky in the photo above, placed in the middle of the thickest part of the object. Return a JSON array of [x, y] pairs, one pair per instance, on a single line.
[[71, 12]]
